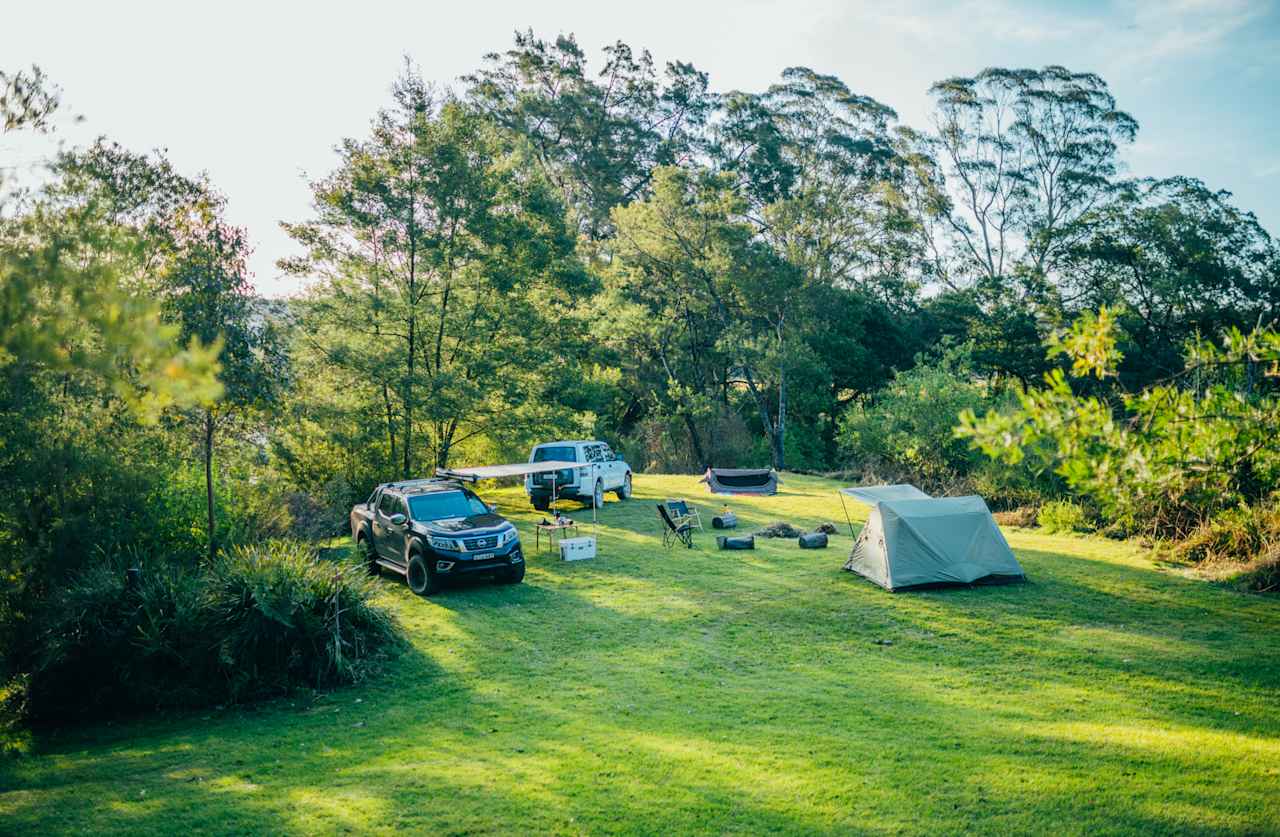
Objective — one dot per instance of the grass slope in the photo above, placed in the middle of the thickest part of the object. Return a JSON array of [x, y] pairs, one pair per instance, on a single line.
[[675, 692]]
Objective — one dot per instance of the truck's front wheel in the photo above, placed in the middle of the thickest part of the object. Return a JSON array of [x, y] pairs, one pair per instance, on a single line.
[[598, 496], [364, 546], [624, 493], [421, 580], [513, 575]]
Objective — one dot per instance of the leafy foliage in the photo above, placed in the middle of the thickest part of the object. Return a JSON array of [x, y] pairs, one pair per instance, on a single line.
[[1165, 458], [27, 100], [256, 622], [907, 426], [1063, 517], [600, 141], [773, 276], [1172, 259], [1030, 152], [447, 265]]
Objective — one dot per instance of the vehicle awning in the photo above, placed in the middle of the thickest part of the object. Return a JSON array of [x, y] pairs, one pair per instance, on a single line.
[[872, 494], [493, 472]]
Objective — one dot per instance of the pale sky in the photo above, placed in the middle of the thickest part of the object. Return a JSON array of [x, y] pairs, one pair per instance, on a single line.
[[258, 94]]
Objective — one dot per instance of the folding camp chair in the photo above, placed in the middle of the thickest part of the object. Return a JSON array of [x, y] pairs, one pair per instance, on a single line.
[[673, 531], [680, 510]]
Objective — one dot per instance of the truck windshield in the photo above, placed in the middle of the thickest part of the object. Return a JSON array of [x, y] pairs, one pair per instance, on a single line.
[[563, 453], [445, 504]]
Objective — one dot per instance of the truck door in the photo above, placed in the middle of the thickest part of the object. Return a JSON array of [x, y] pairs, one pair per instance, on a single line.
[[612, 468], [592, 455], [396, 533], [387, 506]]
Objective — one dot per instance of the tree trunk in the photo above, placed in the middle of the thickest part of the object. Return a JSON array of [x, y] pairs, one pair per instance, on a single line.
[[208, 482], [694, 440], [412, 230], [446, 443], [407, 470], [780, 430], [391, 425], [770, 428]]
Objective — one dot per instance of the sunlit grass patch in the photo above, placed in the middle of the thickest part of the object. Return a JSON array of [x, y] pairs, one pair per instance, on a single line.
[[656, 691]]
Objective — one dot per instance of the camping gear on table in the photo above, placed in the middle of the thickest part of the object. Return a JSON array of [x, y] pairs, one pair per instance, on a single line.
[[673, 532], [555, 531], [680, 510], [762, 481], [914, 540], [738, 542], [726, 520], [813, 540]]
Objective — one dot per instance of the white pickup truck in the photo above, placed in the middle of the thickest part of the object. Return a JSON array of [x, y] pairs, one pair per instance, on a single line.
[[599, 470]]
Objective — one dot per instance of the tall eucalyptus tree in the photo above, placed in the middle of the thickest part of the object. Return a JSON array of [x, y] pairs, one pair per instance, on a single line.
[[448, 259]]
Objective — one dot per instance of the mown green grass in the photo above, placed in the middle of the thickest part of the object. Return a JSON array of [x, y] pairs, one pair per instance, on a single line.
[[698, 691]]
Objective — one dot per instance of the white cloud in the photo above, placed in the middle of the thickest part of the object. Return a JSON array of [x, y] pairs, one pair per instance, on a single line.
[[1187, 27], [997, 20]]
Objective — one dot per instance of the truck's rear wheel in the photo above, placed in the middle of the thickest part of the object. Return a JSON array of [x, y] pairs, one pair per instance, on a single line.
[[421, 580], [540, 503], [598, 496]]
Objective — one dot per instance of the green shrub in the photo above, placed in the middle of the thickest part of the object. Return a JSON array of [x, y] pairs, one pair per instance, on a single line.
[[283, 619], [907, 428], [1240, 546], [1261, 575], [257, 622], [905, 432], [1235, 535], [1063, 517]]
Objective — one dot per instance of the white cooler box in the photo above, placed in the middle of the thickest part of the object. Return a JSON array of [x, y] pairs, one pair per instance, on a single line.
[[577, 549]]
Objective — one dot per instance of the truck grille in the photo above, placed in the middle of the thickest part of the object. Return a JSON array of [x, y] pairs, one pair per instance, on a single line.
[[481, 543]]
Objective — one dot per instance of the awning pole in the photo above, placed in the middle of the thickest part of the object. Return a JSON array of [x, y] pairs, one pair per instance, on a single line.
[[846, 514]]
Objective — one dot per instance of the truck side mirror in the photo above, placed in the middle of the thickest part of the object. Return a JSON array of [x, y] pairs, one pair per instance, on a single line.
[[397, 519]]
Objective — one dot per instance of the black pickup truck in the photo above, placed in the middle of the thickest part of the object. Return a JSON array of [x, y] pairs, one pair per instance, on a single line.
[[428, 530]]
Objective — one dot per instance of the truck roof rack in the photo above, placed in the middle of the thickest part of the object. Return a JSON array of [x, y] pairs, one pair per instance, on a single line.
[[406, 485]]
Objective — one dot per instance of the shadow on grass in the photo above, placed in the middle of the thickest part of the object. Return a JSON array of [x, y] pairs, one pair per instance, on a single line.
[[733, 692]]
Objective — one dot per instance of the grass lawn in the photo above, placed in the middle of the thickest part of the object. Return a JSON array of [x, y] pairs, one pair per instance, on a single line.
[[703, 691]]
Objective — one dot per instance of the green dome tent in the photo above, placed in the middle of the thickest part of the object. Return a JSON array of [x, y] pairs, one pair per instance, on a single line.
[[914, 540]]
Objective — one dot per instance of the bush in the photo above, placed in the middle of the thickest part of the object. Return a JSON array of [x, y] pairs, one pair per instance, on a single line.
[[661, 444], [907, 426], [1240, 546], [1261, 575], [283, 619], [257, 622], [1235, 535], [1063, 517]]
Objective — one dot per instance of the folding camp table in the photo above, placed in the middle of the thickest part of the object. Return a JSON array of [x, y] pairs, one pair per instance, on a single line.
[[520, 469], [553, 531]]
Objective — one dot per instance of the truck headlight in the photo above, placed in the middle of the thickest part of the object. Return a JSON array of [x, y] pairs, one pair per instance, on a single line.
[[446, 543], [507, 537]]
